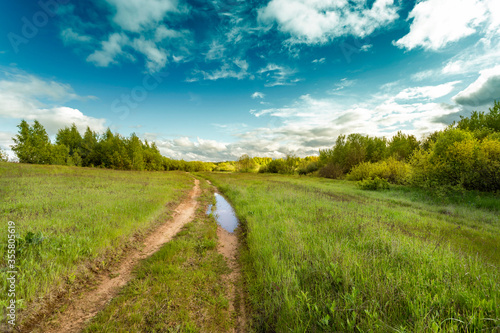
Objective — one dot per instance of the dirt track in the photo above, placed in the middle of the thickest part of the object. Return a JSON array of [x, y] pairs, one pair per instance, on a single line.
[[89, 303], [228, 247]]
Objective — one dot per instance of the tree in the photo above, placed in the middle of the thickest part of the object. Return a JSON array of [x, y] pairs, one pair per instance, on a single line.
[[71, 138], [32, 144], [402, 146], [89, 148], [246, 164]]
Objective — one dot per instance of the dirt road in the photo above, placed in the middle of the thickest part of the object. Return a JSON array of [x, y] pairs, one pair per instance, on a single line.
[[89, 303]]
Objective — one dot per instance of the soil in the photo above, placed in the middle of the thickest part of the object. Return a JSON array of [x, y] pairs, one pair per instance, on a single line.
[[86, 305], [228, 247]]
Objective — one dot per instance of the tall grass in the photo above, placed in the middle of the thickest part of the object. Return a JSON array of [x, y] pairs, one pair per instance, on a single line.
[[324, 256], [70, 221]]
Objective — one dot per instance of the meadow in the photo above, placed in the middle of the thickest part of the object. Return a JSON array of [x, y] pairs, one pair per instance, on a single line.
[[73, 222], [323, 255]]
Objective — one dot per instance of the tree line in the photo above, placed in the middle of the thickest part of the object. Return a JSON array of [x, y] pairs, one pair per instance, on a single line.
[[466, 154], [108, 150]]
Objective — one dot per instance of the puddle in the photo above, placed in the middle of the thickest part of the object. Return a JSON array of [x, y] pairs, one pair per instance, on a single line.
[[224, 213]]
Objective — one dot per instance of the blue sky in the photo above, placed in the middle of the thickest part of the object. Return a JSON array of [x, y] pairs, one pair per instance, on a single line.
[[212, 80]]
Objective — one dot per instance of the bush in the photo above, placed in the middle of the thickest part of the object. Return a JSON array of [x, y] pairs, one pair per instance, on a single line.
[[374, 184], [392, 170], [331, 170], [457, 158]]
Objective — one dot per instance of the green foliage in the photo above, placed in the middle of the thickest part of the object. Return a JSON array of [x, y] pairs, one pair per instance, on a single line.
[[32, 144], [457, 158], [92, 150], [285, 166], [350, 151], [373, 184], [401, 146], [225, 167], [480, 123], [392, 170], [331, 170], [246, 164]]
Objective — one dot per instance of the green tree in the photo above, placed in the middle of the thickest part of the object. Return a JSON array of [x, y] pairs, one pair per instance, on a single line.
[[32, 144], [89, 152], [402, 146], [71, 138]]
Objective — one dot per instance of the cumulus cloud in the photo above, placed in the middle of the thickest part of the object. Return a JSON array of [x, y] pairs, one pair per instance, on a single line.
[[485, 90], [316, 22], [24, 96], [437, 23]]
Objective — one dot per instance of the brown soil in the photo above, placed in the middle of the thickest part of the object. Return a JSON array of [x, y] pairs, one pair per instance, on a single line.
[[228, 247], [82, 308]]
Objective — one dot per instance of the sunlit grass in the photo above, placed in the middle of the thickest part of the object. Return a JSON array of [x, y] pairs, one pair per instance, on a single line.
[[324, 255], [69, 220]]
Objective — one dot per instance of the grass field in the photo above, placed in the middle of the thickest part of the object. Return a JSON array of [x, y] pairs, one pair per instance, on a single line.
[[178, 289], [72, 221], [323, 255]]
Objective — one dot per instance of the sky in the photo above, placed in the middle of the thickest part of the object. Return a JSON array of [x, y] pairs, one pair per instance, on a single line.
[[212, 80]]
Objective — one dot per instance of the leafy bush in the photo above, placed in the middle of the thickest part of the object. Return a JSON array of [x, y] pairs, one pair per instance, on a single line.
[[331, 170], [374, 184], [457, 158], [392, 170]]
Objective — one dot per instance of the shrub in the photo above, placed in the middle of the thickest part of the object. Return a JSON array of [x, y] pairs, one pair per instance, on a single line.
[[374, 184], [392, 170], [457, 158], [331, 170]]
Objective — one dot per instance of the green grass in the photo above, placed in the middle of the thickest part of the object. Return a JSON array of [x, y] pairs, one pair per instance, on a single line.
[[324, 255], [178, 289], [71, 221]]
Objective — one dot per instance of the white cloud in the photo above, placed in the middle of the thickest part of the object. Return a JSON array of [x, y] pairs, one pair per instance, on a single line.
[[320, 21], [436, 23], [69, 36], [427, 92], [366, 47], [140, 15], [258, 95], [236, 69], [344, 83], [423, 75], [24, 96], [156, 57], [484, 90], [319, 61], [110, 50], [276, 75], [482, 55]]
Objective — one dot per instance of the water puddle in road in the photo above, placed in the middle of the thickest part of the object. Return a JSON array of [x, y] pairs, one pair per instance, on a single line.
[[224, 213]]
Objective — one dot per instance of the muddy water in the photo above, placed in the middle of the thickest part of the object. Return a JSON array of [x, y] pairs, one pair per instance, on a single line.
[[224, 213]]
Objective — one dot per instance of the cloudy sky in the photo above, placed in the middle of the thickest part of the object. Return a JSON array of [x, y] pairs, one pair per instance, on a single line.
[[214, 79]]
